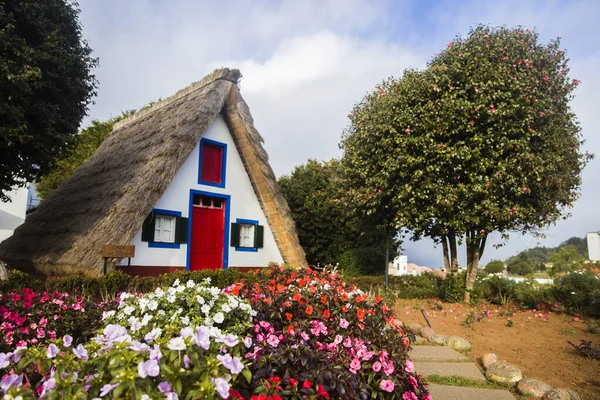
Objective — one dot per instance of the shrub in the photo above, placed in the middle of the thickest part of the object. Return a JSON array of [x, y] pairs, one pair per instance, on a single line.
[[452, 288], [423, 286], [363, 261], [317, 334], [579, 292], [177, 350], [32, 318]]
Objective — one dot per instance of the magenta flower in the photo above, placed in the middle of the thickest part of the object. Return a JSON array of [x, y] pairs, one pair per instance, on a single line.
[[354, 365], [273, 340], [387, 386], [409, 366], [377, 366], [343, 323], [388, 367], [409, 396]]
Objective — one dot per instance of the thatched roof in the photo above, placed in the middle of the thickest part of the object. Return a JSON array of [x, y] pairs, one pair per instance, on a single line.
[[107, 198]]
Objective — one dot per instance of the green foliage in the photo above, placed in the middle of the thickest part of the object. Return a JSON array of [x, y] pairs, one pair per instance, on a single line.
[[109, 286], [363, 261], [326, 227], [567, 256], [520, 266], [86, 144], [579, 292], [424, 286], [46, 85], [482, 140], [494, 266], [453, 287]]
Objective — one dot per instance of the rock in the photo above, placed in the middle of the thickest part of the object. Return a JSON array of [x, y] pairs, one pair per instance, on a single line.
[[438, 338], [437, 273], [503, 372], [488, 359], [561, 394], [419, 340], [427, 332], [416, 328], [458, 343], [533, 388]]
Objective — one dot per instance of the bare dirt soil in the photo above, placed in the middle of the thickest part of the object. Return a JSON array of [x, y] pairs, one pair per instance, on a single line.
[[536, 342]]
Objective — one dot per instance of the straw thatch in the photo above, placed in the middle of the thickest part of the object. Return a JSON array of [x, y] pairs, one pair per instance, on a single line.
[[108, 197]]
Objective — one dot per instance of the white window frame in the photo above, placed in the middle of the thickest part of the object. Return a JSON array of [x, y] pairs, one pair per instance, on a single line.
[[247, 233], [164, 228]]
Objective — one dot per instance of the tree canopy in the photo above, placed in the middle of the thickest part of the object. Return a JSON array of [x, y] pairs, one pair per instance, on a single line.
[[46, 85], [481, 140], [494, 267], [328, 230]]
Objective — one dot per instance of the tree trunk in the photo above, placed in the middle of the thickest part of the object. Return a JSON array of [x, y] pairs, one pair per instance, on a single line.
[[445, 250], [475, 247], [453, 252]]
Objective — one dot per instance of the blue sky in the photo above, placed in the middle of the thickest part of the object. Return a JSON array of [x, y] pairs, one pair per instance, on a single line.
[[306, 63]]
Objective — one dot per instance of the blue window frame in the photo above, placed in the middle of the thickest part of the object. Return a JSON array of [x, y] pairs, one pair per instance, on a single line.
[[157, 212], [248, 222], [210, 163]]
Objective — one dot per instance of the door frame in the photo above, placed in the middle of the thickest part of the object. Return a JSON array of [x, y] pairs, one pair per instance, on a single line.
[[226, 211]]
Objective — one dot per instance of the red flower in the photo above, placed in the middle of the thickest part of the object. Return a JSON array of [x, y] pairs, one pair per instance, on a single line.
[[288, 316], [322, 392], [344, 309], [326, 314], [274, 379], [378, 299], [307, 384], [293, 382], [234, 394], [309, 310], [360, 313]]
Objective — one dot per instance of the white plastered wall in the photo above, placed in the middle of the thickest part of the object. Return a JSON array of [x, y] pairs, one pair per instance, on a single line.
[[244, 204], [12, 214]]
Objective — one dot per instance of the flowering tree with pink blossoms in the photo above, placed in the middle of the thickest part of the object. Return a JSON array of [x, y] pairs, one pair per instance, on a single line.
[[482, 140]]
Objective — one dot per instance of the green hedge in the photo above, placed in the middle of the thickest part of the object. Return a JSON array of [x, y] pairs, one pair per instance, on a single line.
[[404, 287], [107, 287]]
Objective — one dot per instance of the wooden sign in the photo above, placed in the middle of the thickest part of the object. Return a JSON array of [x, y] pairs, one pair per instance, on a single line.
[[117, 251]]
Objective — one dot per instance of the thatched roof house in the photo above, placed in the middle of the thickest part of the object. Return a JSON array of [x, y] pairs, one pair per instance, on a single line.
[[133, 190]]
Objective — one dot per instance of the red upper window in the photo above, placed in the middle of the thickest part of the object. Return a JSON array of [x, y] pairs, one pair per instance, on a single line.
[[211, 169]]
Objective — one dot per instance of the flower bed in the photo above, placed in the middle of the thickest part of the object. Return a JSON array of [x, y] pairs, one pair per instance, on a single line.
[[294, 334]]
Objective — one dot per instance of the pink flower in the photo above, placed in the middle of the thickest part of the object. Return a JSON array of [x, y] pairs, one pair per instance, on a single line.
[[413, 381], [377, 366], [355, 364], [273, 340], [388, 367], [409, 366], [343, 323], [348, 342], [409, 396], [387, 386], [426, 397]]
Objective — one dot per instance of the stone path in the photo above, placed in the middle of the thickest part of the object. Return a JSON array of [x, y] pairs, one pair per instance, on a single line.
[[443, 361]]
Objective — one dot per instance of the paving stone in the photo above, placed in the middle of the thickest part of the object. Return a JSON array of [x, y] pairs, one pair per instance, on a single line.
[[533, 388], [436, 353], [488, 359], [503, 372], [438, 338], [561, 394], [458, 343], [462, 369], [442, 392]]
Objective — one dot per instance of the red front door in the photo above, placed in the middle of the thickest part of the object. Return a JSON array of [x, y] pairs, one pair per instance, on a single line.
[[208, 227]]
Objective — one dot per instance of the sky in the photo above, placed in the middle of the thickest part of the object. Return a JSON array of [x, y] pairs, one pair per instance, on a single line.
[[305, 63]]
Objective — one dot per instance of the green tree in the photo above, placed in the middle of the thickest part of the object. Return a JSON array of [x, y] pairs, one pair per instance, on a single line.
[[327, 229], [482, 140], [46, 85], [87, 142], [520, 266], [566, 257], [494, 266]]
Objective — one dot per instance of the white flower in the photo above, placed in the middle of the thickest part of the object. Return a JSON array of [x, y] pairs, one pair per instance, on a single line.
[[128, 310], [107, 314], [146, 397], [200, 299], [205, 309], [185, 320], [161, 312], [219, 317], [147, 318], [190, 284], [225, 307], [176, 283], [152, 305], [171, 298], [177, 343]]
